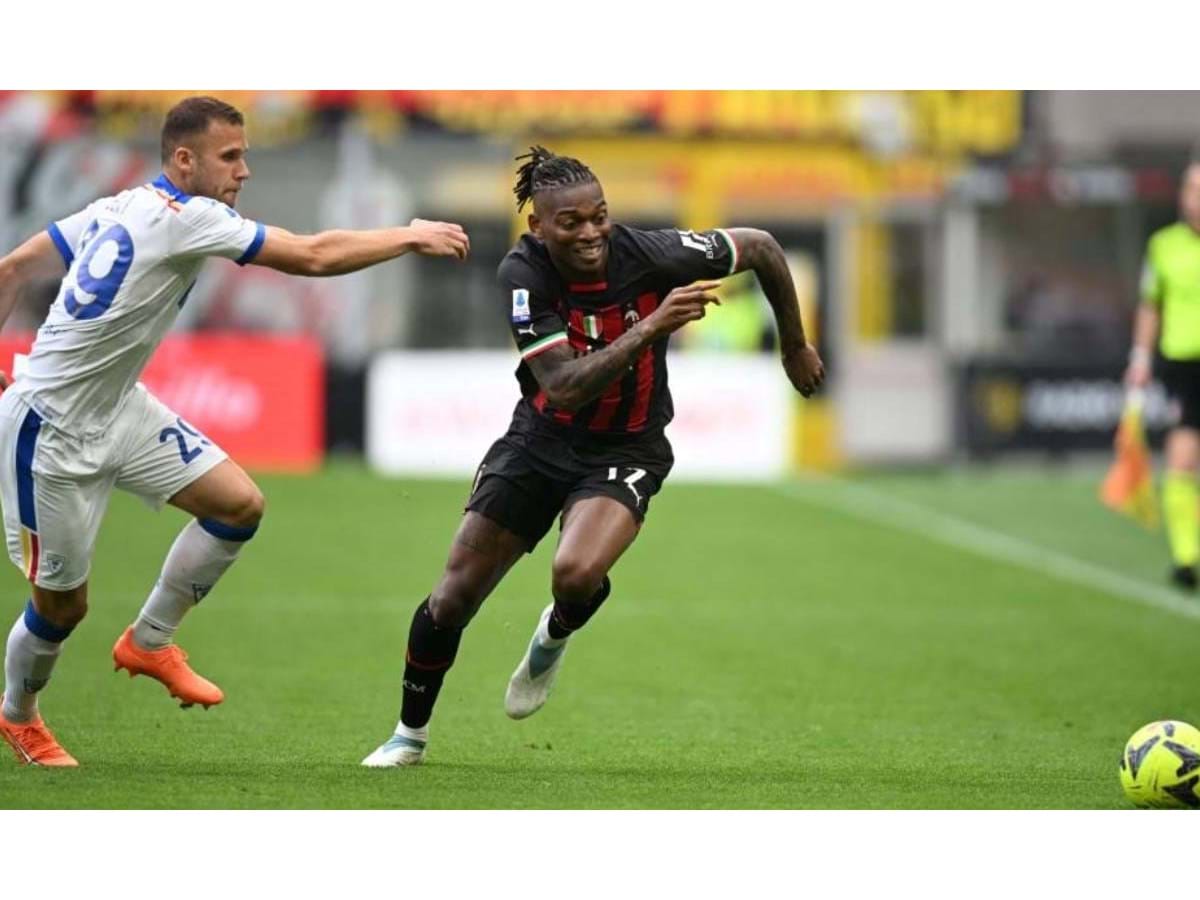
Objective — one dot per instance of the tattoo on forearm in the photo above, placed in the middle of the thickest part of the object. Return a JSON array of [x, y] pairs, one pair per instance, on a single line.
[[776, 283], [580, 380]]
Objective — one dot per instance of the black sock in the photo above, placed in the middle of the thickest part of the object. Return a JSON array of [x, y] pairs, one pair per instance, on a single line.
[[566, 619], [431, 652]]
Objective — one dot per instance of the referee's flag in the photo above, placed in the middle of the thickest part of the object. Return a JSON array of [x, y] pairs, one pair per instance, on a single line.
[[1129, 485]]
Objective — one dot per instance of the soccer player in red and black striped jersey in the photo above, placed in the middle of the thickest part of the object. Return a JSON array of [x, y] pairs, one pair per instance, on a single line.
[[592, 305]]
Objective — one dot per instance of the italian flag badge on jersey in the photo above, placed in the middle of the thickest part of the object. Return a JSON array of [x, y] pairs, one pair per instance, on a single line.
[[591, 326]]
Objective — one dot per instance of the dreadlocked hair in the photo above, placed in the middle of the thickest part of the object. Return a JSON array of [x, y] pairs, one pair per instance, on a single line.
[[544, 171]]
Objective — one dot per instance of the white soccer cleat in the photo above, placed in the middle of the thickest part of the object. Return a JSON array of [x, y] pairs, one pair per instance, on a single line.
[[397, 750], [531, 682]]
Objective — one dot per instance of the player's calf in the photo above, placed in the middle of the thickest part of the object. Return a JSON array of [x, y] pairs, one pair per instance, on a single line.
[[201, 554], [433, 639], [431, 651], [34, 645], [480, 555]]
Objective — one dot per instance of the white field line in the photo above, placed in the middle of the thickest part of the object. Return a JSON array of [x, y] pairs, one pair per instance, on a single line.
[[883, 509]]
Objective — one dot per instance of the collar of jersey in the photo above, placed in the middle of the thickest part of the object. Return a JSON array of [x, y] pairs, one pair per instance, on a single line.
[[163, 183]]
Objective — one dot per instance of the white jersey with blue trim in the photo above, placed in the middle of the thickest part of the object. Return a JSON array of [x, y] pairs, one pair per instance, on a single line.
[[131, 260]]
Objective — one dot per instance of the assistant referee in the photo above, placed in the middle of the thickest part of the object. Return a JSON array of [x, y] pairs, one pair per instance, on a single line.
[[1170, 313]]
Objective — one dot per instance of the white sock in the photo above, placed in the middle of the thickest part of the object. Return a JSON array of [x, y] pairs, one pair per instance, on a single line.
[[543, 635], [413, 734], [193, 565], [28, 661]]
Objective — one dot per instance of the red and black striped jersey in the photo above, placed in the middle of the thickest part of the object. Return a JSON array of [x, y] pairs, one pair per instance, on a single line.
[[545, 310]]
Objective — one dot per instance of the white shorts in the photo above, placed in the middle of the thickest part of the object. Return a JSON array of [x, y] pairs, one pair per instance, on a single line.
[[55, 488]]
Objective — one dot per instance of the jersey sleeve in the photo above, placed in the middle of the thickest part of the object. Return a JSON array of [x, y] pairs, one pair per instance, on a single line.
[[66, 233], [687, 256], [209, 228], [533, 316]]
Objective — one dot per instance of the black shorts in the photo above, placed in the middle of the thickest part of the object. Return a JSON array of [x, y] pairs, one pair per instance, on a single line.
[[1182, 381], [530, 476]]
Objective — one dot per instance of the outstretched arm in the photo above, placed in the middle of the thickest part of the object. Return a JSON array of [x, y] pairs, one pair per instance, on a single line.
[[759, 252], [571, 382], [35, 260], [339, 252]]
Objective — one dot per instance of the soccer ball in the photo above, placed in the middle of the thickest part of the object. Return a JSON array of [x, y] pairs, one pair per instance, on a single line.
[[1160, 767]]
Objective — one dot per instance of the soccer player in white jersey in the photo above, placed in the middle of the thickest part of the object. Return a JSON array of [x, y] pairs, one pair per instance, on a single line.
[[77, 423]]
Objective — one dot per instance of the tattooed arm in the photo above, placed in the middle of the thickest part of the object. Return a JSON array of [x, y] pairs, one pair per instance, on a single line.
[[760, 252], [571, 382]]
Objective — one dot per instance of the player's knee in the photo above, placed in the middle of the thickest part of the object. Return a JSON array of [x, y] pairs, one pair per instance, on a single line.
[[575, 579], [249, 508], [239, 515], [62, 611], [74, 614], [253, 505], [454, 602]]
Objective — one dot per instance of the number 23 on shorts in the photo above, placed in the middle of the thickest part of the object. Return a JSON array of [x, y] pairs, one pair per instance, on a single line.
[[181, 436]]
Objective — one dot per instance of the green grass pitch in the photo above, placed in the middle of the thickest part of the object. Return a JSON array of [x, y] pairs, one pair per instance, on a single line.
[[762, 649]]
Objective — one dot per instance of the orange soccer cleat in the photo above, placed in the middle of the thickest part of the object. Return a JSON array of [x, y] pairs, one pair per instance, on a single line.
[[33, 743], [168, 665]]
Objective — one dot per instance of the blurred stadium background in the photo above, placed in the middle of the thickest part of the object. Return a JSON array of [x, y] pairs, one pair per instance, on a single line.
[[968, 264], [968, 259]]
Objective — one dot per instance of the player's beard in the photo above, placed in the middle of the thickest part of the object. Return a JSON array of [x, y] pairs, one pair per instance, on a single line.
[[207, 186]]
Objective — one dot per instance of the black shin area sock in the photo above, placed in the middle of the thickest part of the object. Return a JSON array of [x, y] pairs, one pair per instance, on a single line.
[[567, 619], [431, 652]]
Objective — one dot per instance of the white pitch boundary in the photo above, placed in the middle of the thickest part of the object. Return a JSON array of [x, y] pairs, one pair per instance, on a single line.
[[884, 509]]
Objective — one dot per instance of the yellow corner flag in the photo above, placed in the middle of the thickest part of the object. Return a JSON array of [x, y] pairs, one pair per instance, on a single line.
[[1129, 485]]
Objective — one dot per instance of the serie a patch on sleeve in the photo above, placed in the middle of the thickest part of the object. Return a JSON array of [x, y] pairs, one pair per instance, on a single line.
[[520, 307]]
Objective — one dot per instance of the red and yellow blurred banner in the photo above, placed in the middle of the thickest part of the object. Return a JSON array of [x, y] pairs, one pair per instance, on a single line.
[[938, 122]]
